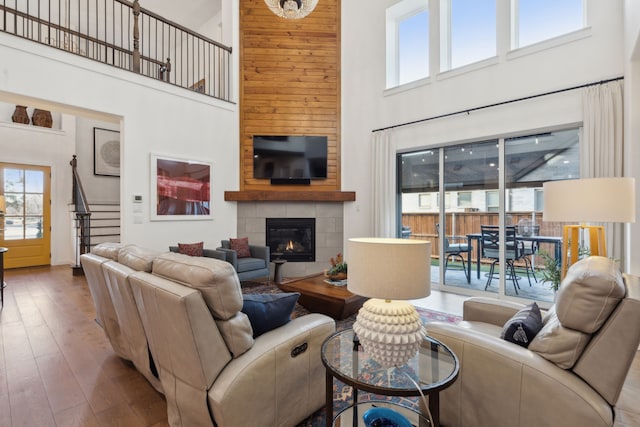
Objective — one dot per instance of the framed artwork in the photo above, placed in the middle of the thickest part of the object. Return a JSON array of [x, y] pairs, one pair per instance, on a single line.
[[180, 189], [106, 152]]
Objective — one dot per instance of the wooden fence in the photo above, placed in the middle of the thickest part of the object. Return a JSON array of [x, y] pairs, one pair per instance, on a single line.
[[459, 224]]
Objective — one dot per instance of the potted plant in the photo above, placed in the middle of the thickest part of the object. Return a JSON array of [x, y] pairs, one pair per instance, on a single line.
[[552, 272], [338, 270]]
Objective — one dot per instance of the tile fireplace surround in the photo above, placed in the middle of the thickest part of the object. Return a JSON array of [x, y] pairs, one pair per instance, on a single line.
[[329, 229]]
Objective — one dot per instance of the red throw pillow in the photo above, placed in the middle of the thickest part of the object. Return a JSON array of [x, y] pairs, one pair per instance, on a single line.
[[191, 249], [241, 246]]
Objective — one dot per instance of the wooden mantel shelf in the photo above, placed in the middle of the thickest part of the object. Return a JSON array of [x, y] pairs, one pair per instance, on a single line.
[[289, 196]]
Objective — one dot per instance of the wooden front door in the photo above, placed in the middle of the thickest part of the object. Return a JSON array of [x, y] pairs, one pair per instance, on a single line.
[[26, 204]]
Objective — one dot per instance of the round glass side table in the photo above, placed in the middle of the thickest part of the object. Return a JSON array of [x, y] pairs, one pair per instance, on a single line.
[[434, 368], [353, 415]]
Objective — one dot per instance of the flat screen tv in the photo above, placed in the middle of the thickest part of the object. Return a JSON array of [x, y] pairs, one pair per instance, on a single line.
[[289, 157]]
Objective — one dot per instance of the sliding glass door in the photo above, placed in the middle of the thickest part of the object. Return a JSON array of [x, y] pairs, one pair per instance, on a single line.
[[481, 205]]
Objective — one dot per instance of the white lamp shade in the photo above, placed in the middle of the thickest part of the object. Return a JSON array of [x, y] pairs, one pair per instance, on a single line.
[[590, 200], [393, 269]]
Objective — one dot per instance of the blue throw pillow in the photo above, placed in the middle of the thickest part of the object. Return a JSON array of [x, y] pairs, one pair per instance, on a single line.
[[269, 311]]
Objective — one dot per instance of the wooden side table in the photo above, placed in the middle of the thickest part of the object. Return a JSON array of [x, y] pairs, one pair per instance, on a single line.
[[2, 285]]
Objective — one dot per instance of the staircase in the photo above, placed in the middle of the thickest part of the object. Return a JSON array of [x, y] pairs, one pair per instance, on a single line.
[[105, 223]]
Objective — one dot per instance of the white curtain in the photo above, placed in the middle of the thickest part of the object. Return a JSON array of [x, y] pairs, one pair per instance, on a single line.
[[602, 146], [384, 185]]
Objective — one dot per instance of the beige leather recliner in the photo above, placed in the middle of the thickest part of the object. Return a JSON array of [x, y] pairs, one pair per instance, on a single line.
[[573, 370], [105, 311], [210, 366], [131, 258]]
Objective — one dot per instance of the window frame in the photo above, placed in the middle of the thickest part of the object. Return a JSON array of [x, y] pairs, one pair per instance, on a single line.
[[395, 14], [445, 36], [514, 34]]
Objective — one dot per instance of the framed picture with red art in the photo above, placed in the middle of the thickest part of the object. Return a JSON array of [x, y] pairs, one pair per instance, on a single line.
[[180, 189]]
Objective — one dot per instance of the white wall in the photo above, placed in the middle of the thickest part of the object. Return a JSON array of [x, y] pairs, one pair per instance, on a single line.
[[97, 188], [154, 118], [367, 106], [33, 145]]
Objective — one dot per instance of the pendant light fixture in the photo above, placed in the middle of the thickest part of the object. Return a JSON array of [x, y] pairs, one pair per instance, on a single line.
[[291, 9]]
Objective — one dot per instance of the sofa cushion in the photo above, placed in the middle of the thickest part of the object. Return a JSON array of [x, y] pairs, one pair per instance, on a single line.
[[269, 311], [241, 246], [523, 326], [137, 258], [589, 293], [250, 264], [107, 250], [218, 283], [191, 249], [557, 344]]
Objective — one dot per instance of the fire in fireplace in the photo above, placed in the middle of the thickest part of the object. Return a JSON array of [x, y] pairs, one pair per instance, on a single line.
[[293, 239]]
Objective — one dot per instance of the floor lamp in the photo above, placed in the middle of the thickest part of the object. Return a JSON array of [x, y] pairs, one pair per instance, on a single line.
[[587, 200]]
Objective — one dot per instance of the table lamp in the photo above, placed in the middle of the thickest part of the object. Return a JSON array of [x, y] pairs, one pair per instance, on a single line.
[[389, 271], [587, 200]]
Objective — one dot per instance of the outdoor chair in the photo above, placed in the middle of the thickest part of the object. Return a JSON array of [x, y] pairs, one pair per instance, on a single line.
[[454, 251], [530, 248], [490, 248]]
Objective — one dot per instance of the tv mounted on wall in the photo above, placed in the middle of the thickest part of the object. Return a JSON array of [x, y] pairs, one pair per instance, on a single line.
[[289, 159]]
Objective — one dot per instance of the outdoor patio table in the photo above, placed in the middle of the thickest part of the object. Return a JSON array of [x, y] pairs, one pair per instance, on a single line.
[[557, 241]]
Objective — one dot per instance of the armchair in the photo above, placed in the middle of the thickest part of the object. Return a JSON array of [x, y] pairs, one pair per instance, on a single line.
[[573, 370], [256, 265]]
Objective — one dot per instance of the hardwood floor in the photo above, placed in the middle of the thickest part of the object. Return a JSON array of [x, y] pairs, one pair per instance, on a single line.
[[56, 366], [58, 369]]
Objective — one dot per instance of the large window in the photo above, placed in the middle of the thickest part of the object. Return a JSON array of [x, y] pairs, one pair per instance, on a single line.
[[467, 32], [475, 177], [407, 42], [537, 20]]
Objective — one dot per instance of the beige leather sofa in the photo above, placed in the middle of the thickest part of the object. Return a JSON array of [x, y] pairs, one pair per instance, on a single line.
[[107, 269], [573, 370], [210, 368], [132, 258], [105, 311]]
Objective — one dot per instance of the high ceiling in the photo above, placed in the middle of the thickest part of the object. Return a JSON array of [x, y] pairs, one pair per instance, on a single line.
[[189, 13]]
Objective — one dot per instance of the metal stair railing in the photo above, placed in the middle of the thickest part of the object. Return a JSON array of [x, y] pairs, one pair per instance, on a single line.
[[82, 219]]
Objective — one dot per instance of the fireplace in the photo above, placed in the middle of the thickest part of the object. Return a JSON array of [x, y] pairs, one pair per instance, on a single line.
[[293, 239]]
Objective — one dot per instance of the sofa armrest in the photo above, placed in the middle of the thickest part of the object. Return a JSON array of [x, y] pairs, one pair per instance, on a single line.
[[231, 256], [261, 252], [489, 310], [503, 384], [282, 388], [213, 253]]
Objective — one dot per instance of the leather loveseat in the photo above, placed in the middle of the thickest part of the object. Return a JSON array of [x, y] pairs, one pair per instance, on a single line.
[[210, 368], [572, 372]]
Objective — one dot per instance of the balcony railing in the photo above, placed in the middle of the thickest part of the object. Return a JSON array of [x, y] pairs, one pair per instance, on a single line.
[[124, 35]]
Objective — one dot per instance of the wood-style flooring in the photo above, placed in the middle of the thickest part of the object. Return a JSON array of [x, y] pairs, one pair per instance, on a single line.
[[58, 369]]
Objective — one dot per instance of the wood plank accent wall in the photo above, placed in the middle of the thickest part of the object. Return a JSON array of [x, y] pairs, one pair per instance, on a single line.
[[289, 84]]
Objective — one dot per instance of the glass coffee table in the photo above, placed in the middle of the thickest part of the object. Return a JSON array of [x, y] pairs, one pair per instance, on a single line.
[[434, 368]]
